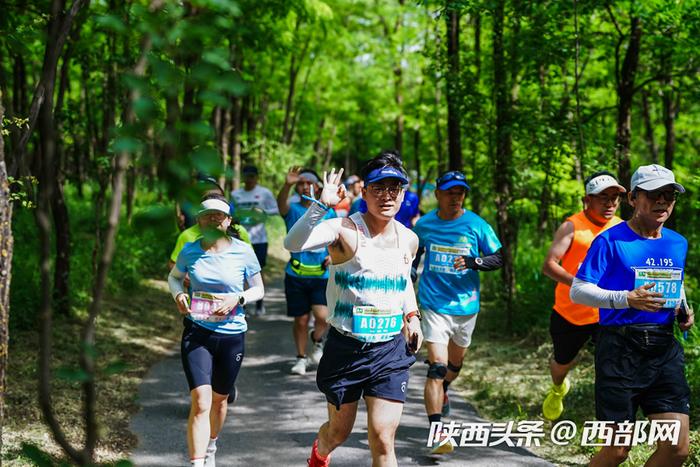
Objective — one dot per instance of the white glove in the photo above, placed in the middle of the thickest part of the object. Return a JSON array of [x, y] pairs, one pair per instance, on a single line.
[[333, 190]]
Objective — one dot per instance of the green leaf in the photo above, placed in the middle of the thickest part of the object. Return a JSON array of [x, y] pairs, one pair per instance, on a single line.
[[111, 23]]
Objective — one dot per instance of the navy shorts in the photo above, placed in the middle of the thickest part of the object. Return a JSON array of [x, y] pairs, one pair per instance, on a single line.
[[260, 250], [569, 338], [302, 292], [350, 369], [639, 366], [210, 357]]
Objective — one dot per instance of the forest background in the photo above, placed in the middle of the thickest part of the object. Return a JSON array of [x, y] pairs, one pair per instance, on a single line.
[[110, 107]]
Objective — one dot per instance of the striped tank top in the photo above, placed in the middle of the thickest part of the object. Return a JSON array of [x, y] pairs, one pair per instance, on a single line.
[[366, 293]]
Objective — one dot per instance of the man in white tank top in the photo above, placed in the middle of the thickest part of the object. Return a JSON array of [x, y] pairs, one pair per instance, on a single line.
[[372, 307]]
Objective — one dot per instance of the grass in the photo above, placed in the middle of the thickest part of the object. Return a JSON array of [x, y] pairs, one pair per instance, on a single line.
[[506, 378], [137, 329]]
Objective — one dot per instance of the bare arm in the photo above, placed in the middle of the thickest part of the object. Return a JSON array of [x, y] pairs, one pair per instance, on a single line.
[[283, 195], [560, 245]]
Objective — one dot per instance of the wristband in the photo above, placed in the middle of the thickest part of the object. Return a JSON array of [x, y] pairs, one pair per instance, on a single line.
[[411, 314], [314, 200]]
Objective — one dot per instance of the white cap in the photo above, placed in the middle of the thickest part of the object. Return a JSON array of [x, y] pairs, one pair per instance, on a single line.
[[652, 177], [214, 204], [602, 182]]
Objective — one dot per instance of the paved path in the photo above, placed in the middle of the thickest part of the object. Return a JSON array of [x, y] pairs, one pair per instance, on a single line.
[[277, 414]]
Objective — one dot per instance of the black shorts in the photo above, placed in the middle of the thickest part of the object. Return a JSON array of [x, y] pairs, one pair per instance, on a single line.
[[302, 292], [350, 369], [639, 366], [210, 357], [569, 338], [260, 250]]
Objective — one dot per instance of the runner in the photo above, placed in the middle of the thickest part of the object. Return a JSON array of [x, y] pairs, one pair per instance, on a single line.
[[448, 291], [634, 273], [212, 344], [253, 203], [371, 298], [571, 325], [306, 273]]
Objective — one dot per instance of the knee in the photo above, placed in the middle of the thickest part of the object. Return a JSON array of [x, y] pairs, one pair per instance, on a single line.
[[301, 321], [676, 454], [437, 371], [382, 442], [201, 404]]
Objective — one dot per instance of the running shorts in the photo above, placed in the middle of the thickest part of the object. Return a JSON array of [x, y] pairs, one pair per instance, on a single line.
[[568, 339], [439, 328], [302, 292]]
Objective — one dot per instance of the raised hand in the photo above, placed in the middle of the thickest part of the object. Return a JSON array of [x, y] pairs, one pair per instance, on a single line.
[[293, 175], [333, 190]]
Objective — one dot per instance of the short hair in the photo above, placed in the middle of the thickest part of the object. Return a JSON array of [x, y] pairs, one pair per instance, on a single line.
[[386, 158]]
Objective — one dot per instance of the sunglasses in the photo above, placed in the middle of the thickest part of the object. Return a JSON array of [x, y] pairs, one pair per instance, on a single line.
[[668, 195], [379, 190], [450, 176]]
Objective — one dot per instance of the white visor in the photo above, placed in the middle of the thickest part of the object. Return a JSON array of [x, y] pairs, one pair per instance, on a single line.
[[214, 205]]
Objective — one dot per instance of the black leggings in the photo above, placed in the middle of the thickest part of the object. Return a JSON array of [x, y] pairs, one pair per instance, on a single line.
[[210, 357]]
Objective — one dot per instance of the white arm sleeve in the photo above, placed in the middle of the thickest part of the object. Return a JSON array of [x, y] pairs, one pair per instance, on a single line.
[[309, 233], [255, 290], [590, 294], [176, 278]]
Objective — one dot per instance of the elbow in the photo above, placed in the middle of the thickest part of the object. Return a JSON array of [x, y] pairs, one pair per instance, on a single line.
[[290, 245]]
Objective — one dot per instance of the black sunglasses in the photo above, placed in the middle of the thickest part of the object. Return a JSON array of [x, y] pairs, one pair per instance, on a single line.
[[654, 195], [449, 176]]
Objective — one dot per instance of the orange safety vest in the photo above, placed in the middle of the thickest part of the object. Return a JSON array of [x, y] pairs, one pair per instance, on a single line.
[[584, 233]]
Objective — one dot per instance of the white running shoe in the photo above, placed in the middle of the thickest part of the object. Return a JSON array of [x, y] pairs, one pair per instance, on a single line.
[[300, 365], [316, 352], [210, 458]]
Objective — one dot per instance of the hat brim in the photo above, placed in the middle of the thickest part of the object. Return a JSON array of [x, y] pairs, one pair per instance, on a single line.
[[652, 185], [404, 180], [207, 211], [605, 187], [453, 183]]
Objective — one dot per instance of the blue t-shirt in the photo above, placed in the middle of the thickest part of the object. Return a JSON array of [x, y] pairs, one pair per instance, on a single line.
[[443, 289], [619, 259], [307, 264], [407, 211], [222, 272]]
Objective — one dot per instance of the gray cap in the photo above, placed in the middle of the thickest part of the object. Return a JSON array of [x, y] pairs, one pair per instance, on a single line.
[[652, 177]]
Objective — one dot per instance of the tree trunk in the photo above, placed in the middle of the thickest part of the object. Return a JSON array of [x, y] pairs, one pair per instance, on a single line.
[[476, 196], [61, 284], [503, 184], [625, 95], [453, 91], [649, 128], [6, 250], [236, 131]]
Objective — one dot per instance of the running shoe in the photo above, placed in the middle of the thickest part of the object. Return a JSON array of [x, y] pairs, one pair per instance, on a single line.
[[210, 457], [317, 348], [299, 367], [553, 404], [315, 460], [259, 308], [443, 445], [445, 405]]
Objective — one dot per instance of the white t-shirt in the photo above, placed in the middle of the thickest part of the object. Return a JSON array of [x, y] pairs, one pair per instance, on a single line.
[[244, 203]]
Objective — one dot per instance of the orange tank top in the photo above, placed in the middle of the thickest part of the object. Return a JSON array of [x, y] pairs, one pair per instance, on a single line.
[[584, 233]]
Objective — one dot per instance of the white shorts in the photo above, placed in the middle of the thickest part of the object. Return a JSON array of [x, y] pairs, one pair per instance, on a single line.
[[439, 328]]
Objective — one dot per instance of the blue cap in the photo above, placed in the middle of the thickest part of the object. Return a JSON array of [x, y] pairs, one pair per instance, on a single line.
[[451, 179], [385, 172]]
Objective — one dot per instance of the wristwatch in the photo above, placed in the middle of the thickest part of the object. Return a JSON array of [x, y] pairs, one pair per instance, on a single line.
[[478, 261], [241, 300]]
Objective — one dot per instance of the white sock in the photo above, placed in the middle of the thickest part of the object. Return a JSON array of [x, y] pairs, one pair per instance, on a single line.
[[212, 445], [197, 462]]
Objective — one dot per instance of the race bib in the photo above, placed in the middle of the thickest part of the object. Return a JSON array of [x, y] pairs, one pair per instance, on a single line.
[[442, 258], [202, 306], [371, 324], [668, 282]]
